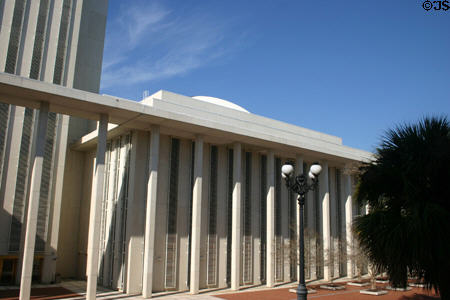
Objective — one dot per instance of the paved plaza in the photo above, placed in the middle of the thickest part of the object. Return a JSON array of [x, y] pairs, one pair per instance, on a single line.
[[75, 290]]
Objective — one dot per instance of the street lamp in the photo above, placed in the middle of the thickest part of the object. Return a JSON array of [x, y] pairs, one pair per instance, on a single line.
[[299, 184]]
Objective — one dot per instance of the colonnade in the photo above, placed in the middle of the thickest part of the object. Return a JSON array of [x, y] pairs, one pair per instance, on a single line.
[[146, 286]]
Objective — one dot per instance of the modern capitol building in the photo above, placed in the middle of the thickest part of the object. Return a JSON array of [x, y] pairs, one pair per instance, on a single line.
[[173, 193]]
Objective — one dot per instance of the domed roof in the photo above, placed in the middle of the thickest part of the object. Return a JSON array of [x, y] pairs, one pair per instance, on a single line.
[[221, 102]]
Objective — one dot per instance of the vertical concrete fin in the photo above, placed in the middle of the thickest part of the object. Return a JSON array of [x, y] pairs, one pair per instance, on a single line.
[[326, 229], [348, 224], [270, 240], [152, 193], [299, 171], [196, 216], [95, 210], [236, 218]]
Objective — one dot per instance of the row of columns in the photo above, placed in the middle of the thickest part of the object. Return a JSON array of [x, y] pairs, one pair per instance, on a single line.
[[97, 195], [196, 216], [152, 187], [96, 200]]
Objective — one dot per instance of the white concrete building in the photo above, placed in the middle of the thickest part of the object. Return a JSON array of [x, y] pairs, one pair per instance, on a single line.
[[185, 194], [170, 193]]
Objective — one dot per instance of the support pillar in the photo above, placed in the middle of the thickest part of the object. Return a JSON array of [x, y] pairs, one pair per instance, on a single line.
[[28, 39], [286, 197], [270, 239], [299, 167], [326, 228], [95, 210], [196, 216], [5, 33], [236, 218], [150, 215], [348, 224], [33, 204]]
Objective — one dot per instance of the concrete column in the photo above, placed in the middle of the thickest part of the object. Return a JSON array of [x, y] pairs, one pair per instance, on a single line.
[[236, 218], [204, 228], [326, 228], [10, 168], [196, 216], [5, 33], [49, 266], [28, 36], [270, 240], [49, 53], [299, 171], [33, 204], [348, 223], [95, 210], [150, 216]]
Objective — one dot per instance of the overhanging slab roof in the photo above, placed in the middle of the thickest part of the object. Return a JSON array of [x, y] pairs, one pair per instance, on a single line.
[[178, 119]]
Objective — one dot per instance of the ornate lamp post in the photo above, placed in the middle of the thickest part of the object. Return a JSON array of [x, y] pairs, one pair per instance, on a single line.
[[299, 184]]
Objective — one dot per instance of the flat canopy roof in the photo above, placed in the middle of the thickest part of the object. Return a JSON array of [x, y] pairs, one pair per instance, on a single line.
[[30, 93]]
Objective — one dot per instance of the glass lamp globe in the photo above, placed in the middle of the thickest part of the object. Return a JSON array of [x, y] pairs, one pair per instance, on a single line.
[[315, 169], [287, 170]]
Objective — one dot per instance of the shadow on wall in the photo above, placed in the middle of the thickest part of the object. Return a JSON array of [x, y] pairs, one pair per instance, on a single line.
[[10, 262], [113, 239]]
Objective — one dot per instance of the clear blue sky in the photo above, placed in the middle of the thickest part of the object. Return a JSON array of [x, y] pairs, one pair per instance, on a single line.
[[346, 68]]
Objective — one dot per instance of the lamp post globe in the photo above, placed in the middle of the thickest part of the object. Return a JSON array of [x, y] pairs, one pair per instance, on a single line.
[[287, 170], [316, 169]]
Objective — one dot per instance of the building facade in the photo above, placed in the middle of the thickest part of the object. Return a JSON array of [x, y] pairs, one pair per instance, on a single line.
[[51, 41], [173, 193]]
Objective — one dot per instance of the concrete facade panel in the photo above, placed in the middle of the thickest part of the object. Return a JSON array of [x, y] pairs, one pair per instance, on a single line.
[[222, 217], [136, 212], [67, 262], [161, 216]]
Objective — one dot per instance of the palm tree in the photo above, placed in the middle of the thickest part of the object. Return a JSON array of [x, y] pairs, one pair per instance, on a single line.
[[407, 187]]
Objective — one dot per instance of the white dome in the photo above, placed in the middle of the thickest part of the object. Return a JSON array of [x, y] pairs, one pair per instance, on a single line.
[[221, 102]]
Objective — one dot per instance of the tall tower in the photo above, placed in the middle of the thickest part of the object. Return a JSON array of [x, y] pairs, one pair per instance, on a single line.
[[60, 42]]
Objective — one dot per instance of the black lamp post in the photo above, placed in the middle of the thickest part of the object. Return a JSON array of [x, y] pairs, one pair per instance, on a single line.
[[299, 184]]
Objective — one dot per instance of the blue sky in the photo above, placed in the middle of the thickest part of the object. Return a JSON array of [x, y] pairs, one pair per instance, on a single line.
[[346, 68]]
